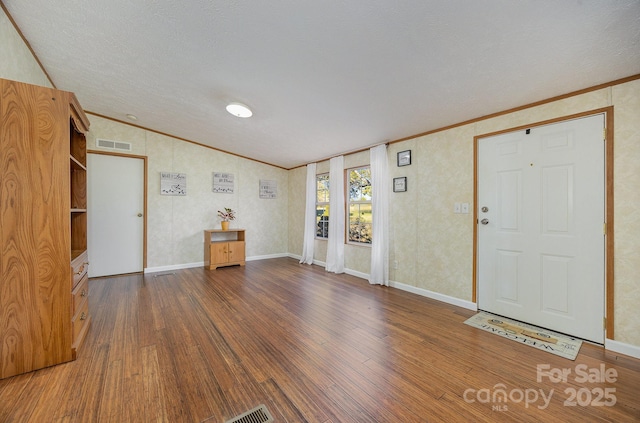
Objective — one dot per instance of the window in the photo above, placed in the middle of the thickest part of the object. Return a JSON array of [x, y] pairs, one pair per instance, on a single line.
[[359, 205], [322, 206]]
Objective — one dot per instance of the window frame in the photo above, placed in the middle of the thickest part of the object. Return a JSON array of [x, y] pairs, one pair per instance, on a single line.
[[322, 204], [349, 202]]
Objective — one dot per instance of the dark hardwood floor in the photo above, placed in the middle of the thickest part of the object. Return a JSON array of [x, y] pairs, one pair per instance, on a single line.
[[197, 345]]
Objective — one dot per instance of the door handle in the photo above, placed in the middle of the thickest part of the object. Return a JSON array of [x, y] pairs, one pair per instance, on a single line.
[[139, 214], [485, 221]]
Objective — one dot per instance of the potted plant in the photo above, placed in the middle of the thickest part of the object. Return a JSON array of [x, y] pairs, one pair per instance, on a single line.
[[227, 215]]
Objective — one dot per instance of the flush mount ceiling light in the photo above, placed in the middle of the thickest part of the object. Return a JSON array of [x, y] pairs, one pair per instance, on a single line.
[[132, 117], [239, 110]]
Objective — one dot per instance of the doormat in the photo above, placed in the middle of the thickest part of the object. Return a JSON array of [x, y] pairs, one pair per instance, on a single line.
[[542, 339]]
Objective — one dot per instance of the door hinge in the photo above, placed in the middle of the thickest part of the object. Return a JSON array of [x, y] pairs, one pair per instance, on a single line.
[[604, 323], [604, 228], [604, 134]]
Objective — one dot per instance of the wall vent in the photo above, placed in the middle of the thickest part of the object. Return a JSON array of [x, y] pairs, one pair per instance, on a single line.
[[113, 145]]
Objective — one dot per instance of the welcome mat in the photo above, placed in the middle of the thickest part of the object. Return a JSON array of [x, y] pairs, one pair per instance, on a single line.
[[542, 339]]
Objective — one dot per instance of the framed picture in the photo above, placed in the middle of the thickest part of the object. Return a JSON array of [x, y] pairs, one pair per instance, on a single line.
[[223, 182], [268, 189], [400, 184], [173, 183], [404, 158]]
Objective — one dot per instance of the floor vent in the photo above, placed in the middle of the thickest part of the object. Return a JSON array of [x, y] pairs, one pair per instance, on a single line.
[[113, 145], [259, 414]]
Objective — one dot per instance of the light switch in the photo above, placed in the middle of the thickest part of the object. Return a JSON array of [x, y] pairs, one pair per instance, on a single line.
[[465, 208], [456, 208]]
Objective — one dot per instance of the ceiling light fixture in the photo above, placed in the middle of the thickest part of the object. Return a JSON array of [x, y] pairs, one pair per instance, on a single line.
[[132, 117], [239, 110]]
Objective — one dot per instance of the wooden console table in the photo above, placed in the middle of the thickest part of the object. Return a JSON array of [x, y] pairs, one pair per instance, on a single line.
[[223, 248]]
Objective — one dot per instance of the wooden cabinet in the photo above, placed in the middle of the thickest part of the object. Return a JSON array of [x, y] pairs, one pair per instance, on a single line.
[[224, 248], [227, 253], [78, 194], [43, 227], [80, 300]]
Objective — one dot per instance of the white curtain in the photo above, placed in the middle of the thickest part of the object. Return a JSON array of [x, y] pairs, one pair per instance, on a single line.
[[309, 216], [335, 246], [379, 273]]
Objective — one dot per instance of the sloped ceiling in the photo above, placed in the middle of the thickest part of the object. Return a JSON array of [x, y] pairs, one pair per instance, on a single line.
[[323, 77]]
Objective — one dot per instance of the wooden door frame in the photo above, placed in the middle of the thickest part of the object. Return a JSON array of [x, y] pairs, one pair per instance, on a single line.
[[609, 192], [144, 211]]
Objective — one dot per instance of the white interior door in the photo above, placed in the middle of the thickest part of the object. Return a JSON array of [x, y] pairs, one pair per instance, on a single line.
[[541, 246], [115, 214]]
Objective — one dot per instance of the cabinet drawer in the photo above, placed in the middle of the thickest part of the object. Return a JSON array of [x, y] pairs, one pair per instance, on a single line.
[[80, 319], [79, 267], [80, 293]]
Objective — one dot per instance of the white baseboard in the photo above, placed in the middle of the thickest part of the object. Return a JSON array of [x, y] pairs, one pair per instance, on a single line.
[[409, 288], [265, 257], [323, 264], [201, 264], [435, 295], [173, 267], [316, 262], [357, 274], [622, 348]]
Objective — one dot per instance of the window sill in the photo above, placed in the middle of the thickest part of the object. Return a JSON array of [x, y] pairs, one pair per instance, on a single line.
[[358, 244]]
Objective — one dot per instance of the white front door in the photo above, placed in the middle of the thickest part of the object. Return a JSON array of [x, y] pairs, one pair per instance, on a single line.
[[541, 205], [115, 214]]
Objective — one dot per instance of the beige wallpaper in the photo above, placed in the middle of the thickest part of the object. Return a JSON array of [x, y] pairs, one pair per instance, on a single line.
[[404, 232], [626, 100], [175, 223], [297, 179], [16, 61], [444, 238]]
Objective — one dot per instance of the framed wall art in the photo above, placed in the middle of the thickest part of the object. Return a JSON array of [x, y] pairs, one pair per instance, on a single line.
[[404, 158], [268, 189], [173, 183], [223, 182], [400, 184]]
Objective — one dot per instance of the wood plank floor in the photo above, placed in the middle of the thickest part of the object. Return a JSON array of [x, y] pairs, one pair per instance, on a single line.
[[204, 346]]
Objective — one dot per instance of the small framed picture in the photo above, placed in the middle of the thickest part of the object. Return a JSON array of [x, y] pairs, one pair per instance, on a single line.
[[400, 184], [268, 189], [404, 158]]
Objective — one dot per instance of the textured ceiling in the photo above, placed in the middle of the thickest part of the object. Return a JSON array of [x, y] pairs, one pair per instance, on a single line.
[[323, 77]]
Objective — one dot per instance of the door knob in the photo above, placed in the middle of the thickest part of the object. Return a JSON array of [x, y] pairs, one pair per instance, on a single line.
[[139, 214], [484, 221]]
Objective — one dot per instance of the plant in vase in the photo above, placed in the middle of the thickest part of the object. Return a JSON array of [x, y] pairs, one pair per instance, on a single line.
[[227, 215]]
